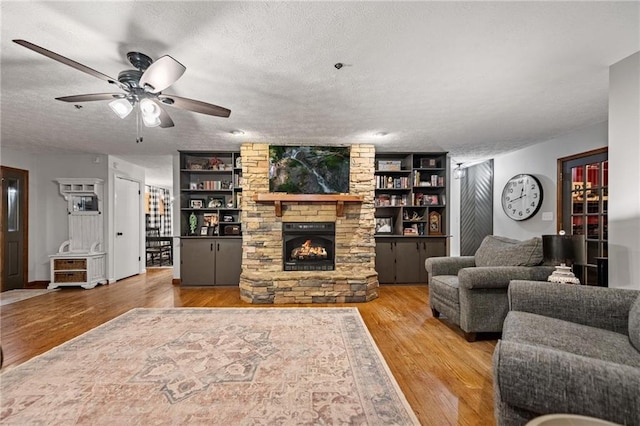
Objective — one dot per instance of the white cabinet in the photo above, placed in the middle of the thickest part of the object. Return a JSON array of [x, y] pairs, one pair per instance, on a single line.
[[80, 260], [74, 269]]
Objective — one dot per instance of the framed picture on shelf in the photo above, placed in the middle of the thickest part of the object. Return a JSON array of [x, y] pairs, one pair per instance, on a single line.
[[196, 203], [215, 202], [210, 219], [384, 225], [427, 163], [204, 230], [432, 199], [213, 230]]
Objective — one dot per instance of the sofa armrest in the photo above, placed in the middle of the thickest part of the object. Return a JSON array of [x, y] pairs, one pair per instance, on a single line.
[[500, 276], [447, 265], [543, 380], [606, 308]]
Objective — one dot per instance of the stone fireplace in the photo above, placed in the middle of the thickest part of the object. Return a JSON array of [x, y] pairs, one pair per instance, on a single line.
[[269, 275]]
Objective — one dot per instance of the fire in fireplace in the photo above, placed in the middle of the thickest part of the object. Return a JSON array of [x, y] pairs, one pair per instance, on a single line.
[[308, 246]]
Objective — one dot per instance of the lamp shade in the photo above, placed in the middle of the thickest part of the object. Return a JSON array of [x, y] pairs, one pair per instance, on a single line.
[[567, 249], [150, 113], [122, 107]]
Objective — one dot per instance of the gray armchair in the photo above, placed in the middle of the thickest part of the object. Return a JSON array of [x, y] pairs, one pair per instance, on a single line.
[[568, 349], [471, 291]]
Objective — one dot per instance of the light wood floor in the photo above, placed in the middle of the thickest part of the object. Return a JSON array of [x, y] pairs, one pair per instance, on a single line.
[[446, 380]]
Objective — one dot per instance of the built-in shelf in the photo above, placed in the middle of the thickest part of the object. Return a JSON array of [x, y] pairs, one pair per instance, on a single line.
[[277, 199]]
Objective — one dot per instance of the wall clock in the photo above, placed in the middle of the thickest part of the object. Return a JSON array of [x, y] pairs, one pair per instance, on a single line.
[[522, 197]]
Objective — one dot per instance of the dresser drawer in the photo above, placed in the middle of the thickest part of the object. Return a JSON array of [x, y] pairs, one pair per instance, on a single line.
[[70, 277], [69, 264]]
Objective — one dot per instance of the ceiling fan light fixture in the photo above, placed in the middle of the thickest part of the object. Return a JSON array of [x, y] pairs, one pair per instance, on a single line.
[[122, 107]]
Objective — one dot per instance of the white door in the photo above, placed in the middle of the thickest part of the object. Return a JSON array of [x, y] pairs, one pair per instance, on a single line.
[[126, 253]]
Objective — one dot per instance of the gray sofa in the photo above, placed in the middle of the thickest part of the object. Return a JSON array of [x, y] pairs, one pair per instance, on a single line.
[[568, 349], [471, 291]]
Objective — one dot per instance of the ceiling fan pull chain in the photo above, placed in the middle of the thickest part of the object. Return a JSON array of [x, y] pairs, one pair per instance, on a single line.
[[138, 119]]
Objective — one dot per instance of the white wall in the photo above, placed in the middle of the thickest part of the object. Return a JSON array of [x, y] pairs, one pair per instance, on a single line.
[[624, 173], [540, 160], [454, 212], [176, 216]]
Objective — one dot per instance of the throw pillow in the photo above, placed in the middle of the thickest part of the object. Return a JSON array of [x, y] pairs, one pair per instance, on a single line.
[[634, 324], [502, 251]]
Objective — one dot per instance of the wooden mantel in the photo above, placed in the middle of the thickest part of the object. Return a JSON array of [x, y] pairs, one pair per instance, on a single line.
[[278, 198]]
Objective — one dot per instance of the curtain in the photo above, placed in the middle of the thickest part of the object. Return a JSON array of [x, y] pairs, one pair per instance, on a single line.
[[158, 209]]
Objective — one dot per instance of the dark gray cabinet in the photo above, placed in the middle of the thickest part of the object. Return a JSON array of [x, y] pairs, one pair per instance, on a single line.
[[210, 261], [400, 260]]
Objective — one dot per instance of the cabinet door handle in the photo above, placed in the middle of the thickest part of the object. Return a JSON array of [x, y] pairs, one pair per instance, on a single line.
[[218, 246], [211, 248], [118, 234]]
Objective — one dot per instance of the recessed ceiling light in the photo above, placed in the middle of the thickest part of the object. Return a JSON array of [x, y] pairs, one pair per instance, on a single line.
[[380, 134], [237, 132]]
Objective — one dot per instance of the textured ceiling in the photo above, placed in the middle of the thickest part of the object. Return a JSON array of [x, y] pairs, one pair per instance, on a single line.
[[472, 78]]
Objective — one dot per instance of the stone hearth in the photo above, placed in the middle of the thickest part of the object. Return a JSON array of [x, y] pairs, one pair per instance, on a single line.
[[263, 279]]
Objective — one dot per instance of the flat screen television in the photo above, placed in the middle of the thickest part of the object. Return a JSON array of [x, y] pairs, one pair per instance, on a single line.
[[309, 169]]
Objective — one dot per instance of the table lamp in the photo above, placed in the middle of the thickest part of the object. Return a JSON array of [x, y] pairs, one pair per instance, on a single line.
[[563, 251]]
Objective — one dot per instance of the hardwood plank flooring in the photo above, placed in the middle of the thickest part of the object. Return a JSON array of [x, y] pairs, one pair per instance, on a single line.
[[446, 379]]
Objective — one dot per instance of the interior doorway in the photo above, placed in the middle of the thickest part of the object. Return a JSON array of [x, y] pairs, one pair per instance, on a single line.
[[583, 189], [14, 228]]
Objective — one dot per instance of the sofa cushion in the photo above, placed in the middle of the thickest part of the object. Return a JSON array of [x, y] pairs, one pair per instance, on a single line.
[[502, 251], [634, 324], [538, 330], [446, 286]]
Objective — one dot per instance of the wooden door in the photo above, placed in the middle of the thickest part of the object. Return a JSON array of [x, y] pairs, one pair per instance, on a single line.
[[583, 191], [127, 225], [197, 261], [228, 261], [385, 261], [14, 226]]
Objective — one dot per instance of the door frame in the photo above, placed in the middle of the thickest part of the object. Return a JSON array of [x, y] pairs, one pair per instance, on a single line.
[[24, 218]]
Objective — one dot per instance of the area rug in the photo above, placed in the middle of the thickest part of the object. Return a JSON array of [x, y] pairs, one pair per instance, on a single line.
[[12, 296], [222, 366]]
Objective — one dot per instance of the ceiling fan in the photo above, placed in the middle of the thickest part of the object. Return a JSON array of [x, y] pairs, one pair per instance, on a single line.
[[142, 86]]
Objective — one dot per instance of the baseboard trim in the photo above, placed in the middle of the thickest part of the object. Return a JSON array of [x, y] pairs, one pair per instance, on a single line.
[[176, 281]]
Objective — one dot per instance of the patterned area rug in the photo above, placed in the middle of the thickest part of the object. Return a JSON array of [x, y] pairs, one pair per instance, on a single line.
[[12, 296], [223, 366]]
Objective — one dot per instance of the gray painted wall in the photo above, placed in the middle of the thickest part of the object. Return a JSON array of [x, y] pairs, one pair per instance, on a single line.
[[624, 173]]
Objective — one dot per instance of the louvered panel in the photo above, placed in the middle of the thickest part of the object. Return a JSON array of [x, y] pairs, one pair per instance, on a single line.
[[476, 207]]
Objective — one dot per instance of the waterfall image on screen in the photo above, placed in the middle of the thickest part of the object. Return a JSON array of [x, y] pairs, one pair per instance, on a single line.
[[309, 169]]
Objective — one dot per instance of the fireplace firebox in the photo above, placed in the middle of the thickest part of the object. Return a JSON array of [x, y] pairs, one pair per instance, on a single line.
[[308, 246]]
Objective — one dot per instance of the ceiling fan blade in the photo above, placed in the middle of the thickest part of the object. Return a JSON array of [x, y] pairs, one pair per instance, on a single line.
[[165, 120], [92, 97], [195, 106], [161, 74], [69, 62]]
